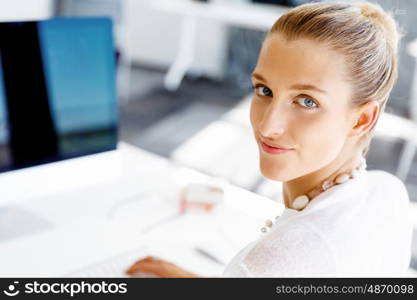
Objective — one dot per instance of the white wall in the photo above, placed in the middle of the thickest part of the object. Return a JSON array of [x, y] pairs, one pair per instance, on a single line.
[[20, 10], [155, 36]]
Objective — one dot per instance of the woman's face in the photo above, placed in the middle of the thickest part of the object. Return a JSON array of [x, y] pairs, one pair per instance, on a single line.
[[301, 105]]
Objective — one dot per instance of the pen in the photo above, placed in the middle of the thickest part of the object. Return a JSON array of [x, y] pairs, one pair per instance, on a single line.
[[209, 255]]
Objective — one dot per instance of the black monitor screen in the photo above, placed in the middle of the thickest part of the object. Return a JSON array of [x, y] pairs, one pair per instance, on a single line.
[[57, 90]]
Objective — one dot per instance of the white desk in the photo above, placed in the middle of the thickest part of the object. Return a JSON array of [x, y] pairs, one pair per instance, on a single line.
[[254, 16], [93, 225]]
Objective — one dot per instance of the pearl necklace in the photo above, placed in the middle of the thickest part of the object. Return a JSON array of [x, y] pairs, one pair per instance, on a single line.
[[301, 201]]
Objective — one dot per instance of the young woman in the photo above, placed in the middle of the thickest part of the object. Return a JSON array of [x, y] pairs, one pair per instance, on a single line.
[[323, 78]]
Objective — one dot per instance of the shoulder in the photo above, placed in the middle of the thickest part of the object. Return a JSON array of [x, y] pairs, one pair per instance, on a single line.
[[387, 184], [385, 177], [295, 249]]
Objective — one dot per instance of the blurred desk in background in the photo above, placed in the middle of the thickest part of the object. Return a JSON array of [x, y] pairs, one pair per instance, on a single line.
[[100, 230], [247, 15]]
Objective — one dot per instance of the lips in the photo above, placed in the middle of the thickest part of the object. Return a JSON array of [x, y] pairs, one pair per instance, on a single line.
[[274, 149]]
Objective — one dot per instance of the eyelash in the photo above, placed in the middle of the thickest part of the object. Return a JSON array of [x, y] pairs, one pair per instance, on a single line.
[[254, 87]]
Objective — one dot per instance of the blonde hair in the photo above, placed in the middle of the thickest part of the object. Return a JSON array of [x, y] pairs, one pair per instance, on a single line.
[[364, 33]]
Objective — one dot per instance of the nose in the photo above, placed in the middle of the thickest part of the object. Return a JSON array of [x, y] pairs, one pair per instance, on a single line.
[[272, 124]]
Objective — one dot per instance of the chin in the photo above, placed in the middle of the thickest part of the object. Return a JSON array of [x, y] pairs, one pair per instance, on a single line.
[[275, 173]]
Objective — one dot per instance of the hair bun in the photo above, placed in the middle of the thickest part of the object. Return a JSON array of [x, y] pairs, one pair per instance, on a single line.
[[372, 11], [384, 20]]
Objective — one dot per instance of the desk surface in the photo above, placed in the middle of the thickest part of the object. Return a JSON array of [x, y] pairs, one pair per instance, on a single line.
[[98, 222]]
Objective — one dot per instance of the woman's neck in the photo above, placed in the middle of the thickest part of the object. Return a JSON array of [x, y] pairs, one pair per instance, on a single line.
[[304, 184]]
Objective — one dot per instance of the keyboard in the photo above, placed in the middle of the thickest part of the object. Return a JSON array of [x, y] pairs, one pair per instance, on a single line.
[[111, 267]]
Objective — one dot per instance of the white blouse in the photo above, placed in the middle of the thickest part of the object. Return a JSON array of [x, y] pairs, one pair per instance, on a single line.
[[356, 229]]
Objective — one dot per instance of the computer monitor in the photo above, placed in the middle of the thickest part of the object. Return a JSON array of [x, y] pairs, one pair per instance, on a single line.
[[57, 102], [57, 91]]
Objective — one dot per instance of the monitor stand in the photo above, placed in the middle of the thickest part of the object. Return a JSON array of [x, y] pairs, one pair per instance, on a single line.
[[17, 222]]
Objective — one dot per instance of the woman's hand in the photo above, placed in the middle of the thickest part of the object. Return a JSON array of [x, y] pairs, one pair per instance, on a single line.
[[154, 267]]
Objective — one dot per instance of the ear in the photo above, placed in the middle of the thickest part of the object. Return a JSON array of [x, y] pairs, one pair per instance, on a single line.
[[366, 116]]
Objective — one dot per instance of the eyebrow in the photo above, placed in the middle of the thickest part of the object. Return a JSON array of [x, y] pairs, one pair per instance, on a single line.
[[295, 86], [258, 76], [307, 87]]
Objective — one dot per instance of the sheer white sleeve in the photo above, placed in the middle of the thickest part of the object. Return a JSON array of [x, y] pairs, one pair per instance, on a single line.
[[291, 250]]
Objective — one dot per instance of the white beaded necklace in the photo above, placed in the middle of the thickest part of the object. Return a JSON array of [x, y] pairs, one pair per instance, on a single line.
[[301, 201]]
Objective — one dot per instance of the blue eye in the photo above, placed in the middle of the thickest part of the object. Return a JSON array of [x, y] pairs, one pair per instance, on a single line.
[[262, 91], [307, 102]]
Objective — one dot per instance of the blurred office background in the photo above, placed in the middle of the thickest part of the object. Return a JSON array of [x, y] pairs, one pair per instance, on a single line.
[[184, 86]]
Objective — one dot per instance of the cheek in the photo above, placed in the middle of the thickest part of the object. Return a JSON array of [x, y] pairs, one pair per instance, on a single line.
[[256, 113], [320, 139]]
